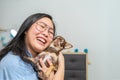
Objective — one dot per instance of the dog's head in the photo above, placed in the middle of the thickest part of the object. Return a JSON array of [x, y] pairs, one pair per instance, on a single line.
[[59, 43]]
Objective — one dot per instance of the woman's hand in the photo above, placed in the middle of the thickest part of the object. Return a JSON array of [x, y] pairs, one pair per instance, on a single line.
[[43, 69], [59, 75]]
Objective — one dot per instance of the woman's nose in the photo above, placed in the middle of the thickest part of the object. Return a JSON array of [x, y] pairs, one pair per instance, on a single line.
[[45, 32]]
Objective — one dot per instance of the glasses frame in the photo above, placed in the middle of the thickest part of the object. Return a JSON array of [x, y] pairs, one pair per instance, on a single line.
[[41, 26]]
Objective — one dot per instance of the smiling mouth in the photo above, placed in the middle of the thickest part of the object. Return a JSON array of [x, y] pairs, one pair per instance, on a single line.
[[42, 40]]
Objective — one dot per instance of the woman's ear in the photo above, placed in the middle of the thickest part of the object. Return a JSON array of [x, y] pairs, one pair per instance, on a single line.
[[25, 32]]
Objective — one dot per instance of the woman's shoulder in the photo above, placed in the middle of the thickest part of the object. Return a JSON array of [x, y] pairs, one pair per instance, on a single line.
[[9, 60], [15, 66]]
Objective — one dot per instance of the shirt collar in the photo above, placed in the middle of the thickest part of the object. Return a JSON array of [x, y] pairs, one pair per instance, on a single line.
[[28, 53]]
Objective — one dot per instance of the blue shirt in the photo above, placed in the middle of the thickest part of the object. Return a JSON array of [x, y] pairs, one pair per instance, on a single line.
[[12, 67]]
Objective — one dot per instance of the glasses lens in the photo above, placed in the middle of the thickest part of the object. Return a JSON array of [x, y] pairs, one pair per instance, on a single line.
[[42, 27]]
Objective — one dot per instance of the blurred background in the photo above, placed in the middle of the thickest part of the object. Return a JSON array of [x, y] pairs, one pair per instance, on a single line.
[[91, 24]]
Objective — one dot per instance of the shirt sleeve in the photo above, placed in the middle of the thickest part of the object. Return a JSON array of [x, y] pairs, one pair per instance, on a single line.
[[13, 68]]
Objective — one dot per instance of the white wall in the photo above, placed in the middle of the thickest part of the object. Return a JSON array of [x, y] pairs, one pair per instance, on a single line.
[[92, 24]]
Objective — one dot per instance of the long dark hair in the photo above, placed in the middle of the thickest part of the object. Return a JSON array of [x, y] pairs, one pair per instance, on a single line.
[[17, 44]]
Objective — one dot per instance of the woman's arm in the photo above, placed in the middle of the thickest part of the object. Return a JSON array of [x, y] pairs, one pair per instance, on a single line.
[[59, 75]]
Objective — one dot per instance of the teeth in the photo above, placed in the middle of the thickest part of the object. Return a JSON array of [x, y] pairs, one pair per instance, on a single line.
[[42, 40]]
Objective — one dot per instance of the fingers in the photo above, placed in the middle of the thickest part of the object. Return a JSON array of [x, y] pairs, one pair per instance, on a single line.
[[42, 63], [42, 68], [49, 62], [39, 68]]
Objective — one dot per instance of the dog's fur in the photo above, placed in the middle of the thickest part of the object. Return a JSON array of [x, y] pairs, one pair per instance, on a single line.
[[51, 53]]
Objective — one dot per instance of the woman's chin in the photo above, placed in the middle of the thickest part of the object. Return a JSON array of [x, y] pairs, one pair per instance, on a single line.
[[40, 47]]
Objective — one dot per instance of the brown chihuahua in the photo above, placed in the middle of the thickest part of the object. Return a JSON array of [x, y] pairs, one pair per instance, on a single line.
[[51, 53]]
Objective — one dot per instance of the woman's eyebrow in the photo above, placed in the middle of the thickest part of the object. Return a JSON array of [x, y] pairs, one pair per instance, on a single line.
[[47, 25]]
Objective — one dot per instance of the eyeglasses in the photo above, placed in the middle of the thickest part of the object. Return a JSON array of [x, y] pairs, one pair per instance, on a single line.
[[41, 26]]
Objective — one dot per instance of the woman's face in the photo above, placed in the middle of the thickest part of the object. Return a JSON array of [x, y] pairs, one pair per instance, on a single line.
[[39, 35]]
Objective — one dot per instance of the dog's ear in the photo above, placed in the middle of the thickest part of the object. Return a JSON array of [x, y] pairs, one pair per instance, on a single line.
[[68, 45]]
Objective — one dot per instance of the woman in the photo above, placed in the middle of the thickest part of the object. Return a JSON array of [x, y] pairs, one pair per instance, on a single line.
[[34, 36]]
